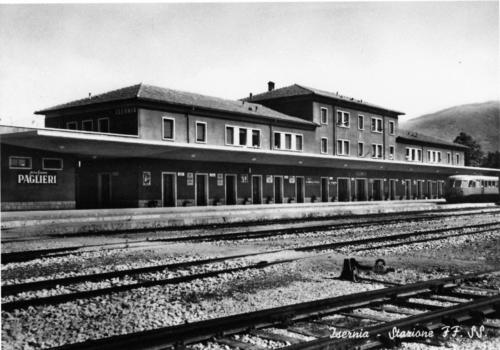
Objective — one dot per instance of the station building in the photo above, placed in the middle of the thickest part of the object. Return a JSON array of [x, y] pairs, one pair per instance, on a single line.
[[147, 146]]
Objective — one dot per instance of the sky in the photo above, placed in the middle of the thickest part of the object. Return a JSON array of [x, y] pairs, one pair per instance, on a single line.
[[416, 57]]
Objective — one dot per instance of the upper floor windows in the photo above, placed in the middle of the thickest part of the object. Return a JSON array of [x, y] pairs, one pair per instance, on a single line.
[[201, 132], [72, 125], [324, 145], [376, 151], [361, 122], [377, 124], [391, 152], [448, 157], [103, 125], [392, 128], [288, 141], [324, 115], [87, 125], [343, 147], [168, 128], [433, 156], [298, 142], [52, 164], [458, 159], [19, 162], [343, 119], [413, 154], [361, 149], [245, 137]]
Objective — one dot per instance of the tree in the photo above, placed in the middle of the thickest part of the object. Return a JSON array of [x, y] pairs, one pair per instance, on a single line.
[[492, 160], [473, 155]]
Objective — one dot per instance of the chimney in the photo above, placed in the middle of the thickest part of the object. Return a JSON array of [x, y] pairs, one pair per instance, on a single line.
[[90, 95], [270, 85], [250, 96]]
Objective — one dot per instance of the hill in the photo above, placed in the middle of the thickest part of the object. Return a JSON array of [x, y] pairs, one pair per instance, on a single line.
[[480, 120]]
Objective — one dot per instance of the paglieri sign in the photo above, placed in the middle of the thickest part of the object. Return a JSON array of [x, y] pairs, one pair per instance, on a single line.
[[37, 178]]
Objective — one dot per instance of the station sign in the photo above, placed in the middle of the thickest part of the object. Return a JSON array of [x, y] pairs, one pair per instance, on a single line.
[[37, 177]]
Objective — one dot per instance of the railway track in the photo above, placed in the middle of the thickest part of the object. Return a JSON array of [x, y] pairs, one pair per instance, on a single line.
[[391, 240], [411, 306], [289, 228]]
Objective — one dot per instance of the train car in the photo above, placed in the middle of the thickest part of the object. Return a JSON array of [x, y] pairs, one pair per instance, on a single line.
[[472, 188]]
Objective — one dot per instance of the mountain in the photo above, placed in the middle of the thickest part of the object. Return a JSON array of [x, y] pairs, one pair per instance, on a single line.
[[480, 120]]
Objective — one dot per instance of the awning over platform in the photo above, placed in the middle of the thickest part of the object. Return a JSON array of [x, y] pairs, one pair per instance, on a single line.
[[92, 145]]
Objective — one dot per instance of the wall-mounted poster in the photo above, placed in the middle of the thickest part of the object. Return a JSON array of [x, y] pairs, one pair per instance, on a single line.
[[189, 181], [211, 174], [220, 180], [269, 179], [292, 179], [180, 174], [146, 178], [244, 179]]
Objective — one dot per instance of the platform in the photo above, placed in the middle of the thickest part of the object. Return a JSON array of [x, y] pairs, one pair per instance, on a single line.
[[34, 223]]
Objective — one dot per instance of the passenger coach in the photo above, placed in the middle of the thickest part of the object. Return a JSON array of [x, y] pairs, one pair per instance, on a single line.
[[146, 146]]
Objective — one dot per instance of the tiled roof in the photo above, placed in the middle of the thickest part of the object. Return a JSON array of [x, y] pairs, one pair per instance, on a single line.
[[300, 90], [158, 94], [413, 136]]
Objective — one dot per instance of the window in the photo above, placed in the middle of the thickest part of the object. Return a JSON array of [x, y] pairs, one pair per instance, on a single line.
[[229, 135], [448, 157], [255, 138], [391, 152], [243, 136], [103, 125], [361, 122], [458, 158], [201, 132], [72, 125], [324, 115], [377, 124], [413, 154], [277, 140], [343, 119], [298, 142], [87, 125], [52, 164], [434, 156], [376, 151], [288, 141], [361, 150], [168, 128], [324, 145], [392, 128], [19, 162], [342, 147]]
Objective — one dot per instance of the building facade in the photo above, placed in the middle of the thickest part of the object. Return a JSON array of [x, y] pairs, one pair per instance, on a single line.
[[146, 146]]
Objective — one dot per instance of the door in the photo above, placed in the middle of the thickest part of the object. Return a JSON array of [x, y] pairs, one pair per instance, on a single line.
[[343, 189], [420, 189], [278, 189], [104, 190], [256, 189], [230, 189], [169, 190], [299, 186], [201, 189], [408, 189], [392, 189], [377, 190], [361, 189], [324, 189]]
